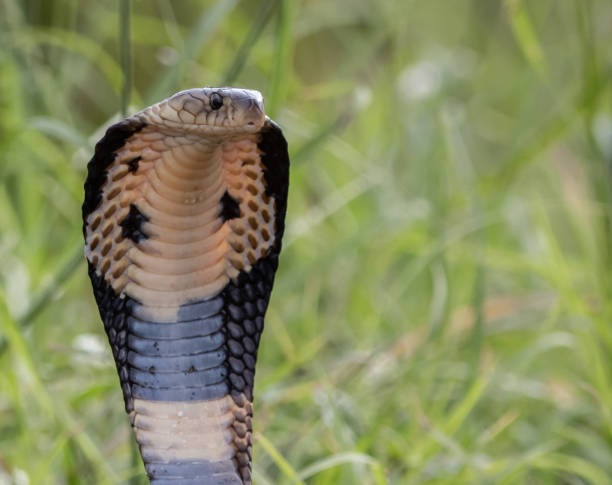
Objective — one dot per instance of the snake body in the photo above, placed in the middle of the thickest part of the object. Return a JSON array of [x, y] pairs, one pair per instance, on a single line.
[[183, 218]]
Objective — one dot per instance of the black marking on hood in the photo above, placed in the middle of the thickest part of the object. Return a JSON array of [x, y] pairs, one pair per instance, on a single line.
[[275, 158], [230, 209], [133, 164], [104, 156], [132, 224]]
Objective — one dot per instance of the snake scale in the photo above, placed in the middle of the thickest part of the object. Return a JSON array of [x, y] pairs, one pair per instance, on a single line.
[[183, 218]]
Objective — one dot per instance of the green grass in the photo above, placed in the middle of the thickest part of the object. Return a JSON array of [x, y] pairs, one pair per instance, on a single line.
[[443, 308]]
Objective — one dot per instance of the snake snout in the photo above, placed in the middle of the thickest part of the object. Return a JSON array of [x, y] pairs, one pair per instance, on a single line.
[[249, 104], [254, 115]]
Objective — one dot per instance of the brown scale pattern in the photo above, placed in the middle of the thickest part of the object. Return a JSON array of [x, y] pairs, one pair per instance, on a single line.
[[180, 196]]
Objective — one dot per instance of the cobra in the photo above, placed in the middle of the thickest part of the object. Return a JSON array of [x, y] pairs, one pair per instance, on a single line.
[[183, 219]]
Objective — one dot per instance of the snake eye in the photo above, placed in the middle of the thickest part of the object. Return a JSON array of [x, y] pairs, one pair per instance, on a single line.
[[216, 101]]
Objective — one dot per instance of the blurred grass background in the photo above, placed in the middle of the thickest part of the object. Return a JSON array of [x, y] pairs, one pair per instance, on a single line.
[[442, 313]]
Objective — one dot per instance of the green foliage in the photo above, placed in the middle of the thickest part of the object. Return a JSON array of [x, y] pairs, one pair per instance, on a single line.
[[443, 309]]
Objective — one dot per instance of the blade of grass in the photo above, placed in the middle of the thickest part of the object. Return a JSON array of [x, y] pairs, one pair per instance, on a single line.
[[21, 354], [257, 27], [334, 202], [600, 376], [459, 156], [44, 296], [80, 44], [452, 422], [51, 408], [204, 29], [282, 58], [574, 465], [525, 35], [342, 459], [547, 135], [44, 466], [125, 47], [321, 136], [280, 461], [170, 23], [65, 271], [59, 129]]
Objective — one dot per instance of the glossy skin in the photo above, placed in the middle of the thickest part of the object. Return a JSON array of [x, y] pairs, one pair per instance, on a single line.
[[183, 219]]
